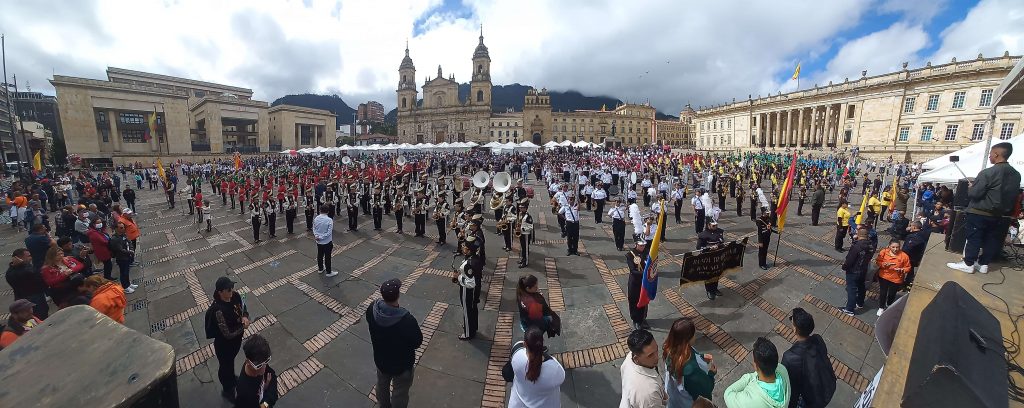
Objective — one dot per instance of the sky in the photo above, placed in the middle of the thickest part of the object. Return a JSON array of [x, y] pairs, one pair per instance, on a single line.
[[668, 52]]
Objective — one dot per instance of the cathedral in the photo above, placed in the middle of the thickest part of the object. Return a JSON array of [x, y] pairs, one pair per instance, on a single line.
[[438, 114]]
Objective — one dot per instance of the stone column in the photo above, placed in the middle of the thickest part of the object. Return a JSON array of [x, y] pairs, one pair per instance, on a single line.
[[790, 134], [814, 126], [777, 129], [115, 133], [800, 128], [826, 134]]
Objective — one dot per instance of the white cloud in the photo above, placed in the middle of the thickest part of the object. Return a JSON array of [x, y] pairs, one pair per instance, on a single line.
[[990, 28], [916, 10], [878, 53]]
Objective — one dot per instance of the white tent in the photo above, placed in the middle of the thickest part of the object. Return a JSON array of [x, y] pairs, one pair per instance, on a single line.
[[565, 143], [492, 144], [970, 164], [551, 144], [344, 147], [583, 143], [472, 144], [526, 146]]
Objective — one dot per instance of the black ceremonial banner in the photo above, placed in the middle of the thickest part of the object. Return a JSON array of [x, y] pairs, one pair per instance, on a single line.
[[710, 264]]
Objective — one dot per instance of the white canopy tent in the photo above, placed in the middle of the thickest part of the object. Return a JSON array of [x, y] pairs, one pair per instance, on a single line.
[[565, 143], [970, 163], [551, 144]]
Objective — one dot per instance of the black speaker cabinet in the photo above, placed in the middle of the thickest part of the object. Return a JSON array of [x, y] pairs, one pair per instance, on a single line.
[[80, 358], [950, 366], [960, 198]]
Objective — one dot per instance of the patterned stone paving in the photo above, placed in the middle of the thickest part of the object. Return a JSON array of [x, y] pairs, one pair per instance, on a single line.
[[321, 345]]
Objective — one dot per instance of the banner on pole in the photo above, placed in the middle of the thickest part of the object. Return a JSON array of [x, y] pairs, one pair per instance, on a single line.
[[703, 265]]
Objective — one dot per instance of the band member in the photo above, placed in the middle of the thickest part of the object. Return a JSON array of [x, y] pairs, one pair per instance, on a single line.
[[189, 198], [599, 196], [764, 235], [224, 192], [711, 238], [699, 214], [800, 201], [441, 217], [677, 200], [207, 214], [309, 202], [377, 207], [232, 190], [469, 286], [270, 212], [562, 200], [290, 210], [399, 212], [721, 195], [588, 195], [524, 226], [636, 219], [506, 225], [352, 207], [635, 260], [242, 194], [328, 199], [476, 230], [199, 205], [618, 214], [739, 201], [499, 211], [365, 196], [571, 212], [255, 215], [419, 213]]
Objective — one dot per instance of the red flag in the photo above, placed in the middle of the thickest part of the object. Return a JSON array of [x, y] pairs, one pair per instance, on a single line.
[[787, 188]]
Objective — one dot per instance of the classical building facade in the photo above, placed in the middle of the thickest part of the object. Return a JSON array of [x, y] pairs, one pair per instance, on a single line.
[[921, 113], [439, 115], [108, 121]]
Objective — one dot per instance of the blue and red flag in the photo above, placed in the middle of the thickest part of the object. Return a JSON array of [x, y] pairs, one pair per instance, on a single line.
[[649, 289]]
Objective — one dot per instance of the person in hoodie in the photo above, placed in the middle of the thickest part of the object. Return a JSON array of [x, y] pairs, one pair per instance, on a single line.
[[808, 389], [856, 268], [768, 386], [395, 336], [106, 297], [231, 318]]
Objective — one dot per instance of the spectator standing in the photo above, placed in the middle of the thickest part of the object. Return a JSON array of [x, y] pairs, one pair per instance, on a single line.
[[768, 386], [323, 233], [27, 283], [641, 382], [226, 321], [129, 197], [993, 195], [38, 242], [689, 375], [893, 266], [395, 336], [537, 377], [100, 242], [533, 308], [914, 245], [856, 268], [257, 383], [842, 224], [812, 378], [121, 253], [105, 296]]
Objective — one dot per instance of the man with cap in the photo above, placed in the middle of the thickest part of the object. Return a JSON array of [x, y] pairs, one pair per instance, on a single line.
[[21, 321], [476, 229], [525, 224], [323, 234], [635, 260], [711, 238], [226, 321], [698, 211], [468, 276], [395, 335], [441, 217], [618, 214]]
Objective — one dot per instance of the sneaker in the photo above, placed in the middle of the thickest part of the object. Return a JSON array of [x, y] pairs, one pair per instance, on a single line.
[[860, 307], [133, 286], [982, 268], [961, 266], [319, 271], [847, 311], [331, 274], [879, 312], [129, 290]]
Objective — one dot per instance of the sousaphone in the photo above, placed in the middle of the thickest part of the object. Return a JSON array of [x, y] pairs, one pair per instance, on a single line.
[[401, 161], [502, 183], [481, 179]]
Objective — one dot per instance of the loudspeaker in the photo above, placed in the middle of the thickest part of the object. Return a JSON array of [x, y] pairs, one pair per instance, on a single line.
[[958, 232], [960, 198], [958, 359]]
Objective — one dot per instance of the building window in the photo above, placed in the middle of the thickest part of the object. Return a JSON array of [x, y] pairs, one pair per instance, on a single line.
[[850, 111], [904, 134], [515, 133], [951, 132], [958, 100], [730, 123], [101, 117], [492, 133], [403, 103], [131, 118], [933, 103], [199, 94], [1006, 131], [978, 133], [133, 136], [105, 133], [986, 98], [926, 133], [755, 120], [908, 104]]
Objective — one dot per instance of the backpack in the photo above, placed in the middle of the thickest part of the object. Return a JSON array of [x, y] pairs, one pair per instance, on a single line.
[[210, 323], [820, 378]]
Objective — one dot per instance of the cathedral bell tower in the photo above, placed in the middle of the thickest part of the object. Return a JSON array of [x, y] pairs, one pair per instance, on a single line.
[[480, 86], [406, 83]]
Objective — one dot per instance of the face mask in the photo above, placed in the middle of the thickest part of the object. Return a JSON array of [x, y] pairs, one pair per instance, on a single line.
[[99, 226]]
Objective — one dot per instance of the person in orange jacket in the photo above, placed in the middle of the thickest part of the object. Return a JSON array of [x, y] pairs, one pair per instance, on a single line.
[[107, 297], [131, 229], [893, 266]]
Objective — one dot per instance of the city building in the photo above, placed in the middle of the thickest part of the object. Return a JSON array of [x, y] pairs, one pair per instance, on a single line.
[[108, 121], [375, 138], [438, 114], [367, 114], [37, 138], [921, 113], [7, 130]]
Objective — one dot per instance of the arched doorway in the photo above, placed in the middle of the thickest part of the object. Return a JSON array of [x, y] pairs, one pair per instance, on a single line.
[[536, 139]]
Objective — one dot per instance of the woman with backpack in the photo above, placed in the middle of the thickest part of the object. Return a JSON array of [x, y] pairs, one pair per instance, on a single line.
[[537, 378], [226, 321]]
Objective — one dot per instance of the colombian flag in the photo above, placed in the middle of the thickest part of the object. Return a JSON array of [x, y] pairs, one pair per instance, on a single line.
[[238, 161], [649, 289], [787, 189]]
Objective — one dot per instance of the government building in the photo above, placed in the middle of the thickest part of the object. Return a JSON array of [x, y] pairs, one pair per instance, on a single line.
[[921, 113], [438, 115], [107, 122]]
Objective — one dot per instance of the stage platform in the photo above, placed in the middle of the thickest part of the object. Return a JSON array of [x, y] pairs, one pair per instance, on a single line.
[[932, 274]]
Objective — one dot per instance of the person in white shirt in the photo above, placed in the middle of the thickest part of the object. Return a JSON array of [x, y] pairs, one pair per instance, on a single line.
[[698, 211], [562, 199], [599, 196], [715, 213], [678, 194], [641, 382], [323, 234], [631, 196], [705, 199], [618, 214], [636, 219], [645, 185], [571, 212], [663, 189], [762, 200], [537, 378], [588, 192]]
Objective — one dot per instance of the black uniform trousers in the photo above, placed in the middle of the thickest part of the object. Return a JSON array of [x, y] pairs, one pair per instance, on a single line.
[[271, 223], [762, 249], [698, 221], [800, 207], [421, 224], [561, 225], [289, 219], [232, 201], [241, 206], [619, 232], [599, 211], [815, 213], [378, 217], [442, 230], [721, 200], [223, 197], [467, 297], [840, 236], [679, 208], [398, 219], [256, 228], [524, 249], [507, 235], [739, 206], [309, 219], [364, 201], [753, 208], [353, 217], [636, 314], [572, 232]]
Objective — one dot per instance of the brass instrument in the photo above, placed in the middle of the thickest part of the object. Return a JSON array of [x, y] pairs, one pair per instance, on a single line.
[[399, 200], [517, 229], [502, 182], [497, 200], [417, 207], [478, 195]]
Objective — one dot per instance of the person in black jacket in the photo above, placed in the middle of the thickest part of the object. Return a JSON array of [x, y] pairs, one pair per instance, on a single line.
[[856, 268], [27, 283], [635, 261], [257, 383], [129, 197], [231, 318], [808, 365], [816, 204], [914, 245], [122, 255], [395, 336], [900, 226]]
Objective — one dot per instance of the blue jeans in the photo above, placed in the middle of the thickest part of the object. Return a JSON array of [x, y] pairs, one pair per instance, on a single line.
[[854, 290], [124, 267], [984, 234]]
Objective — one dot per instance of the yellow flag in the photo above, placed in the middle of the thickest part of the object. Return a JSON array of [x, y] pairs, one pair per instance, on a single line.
[[37, 161], [160, 170], [863, 205], [796, 73]]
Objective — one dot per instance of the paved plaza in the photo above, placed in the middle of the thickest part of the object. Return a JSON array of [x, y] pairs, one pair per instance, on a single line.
[[320, 342]]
